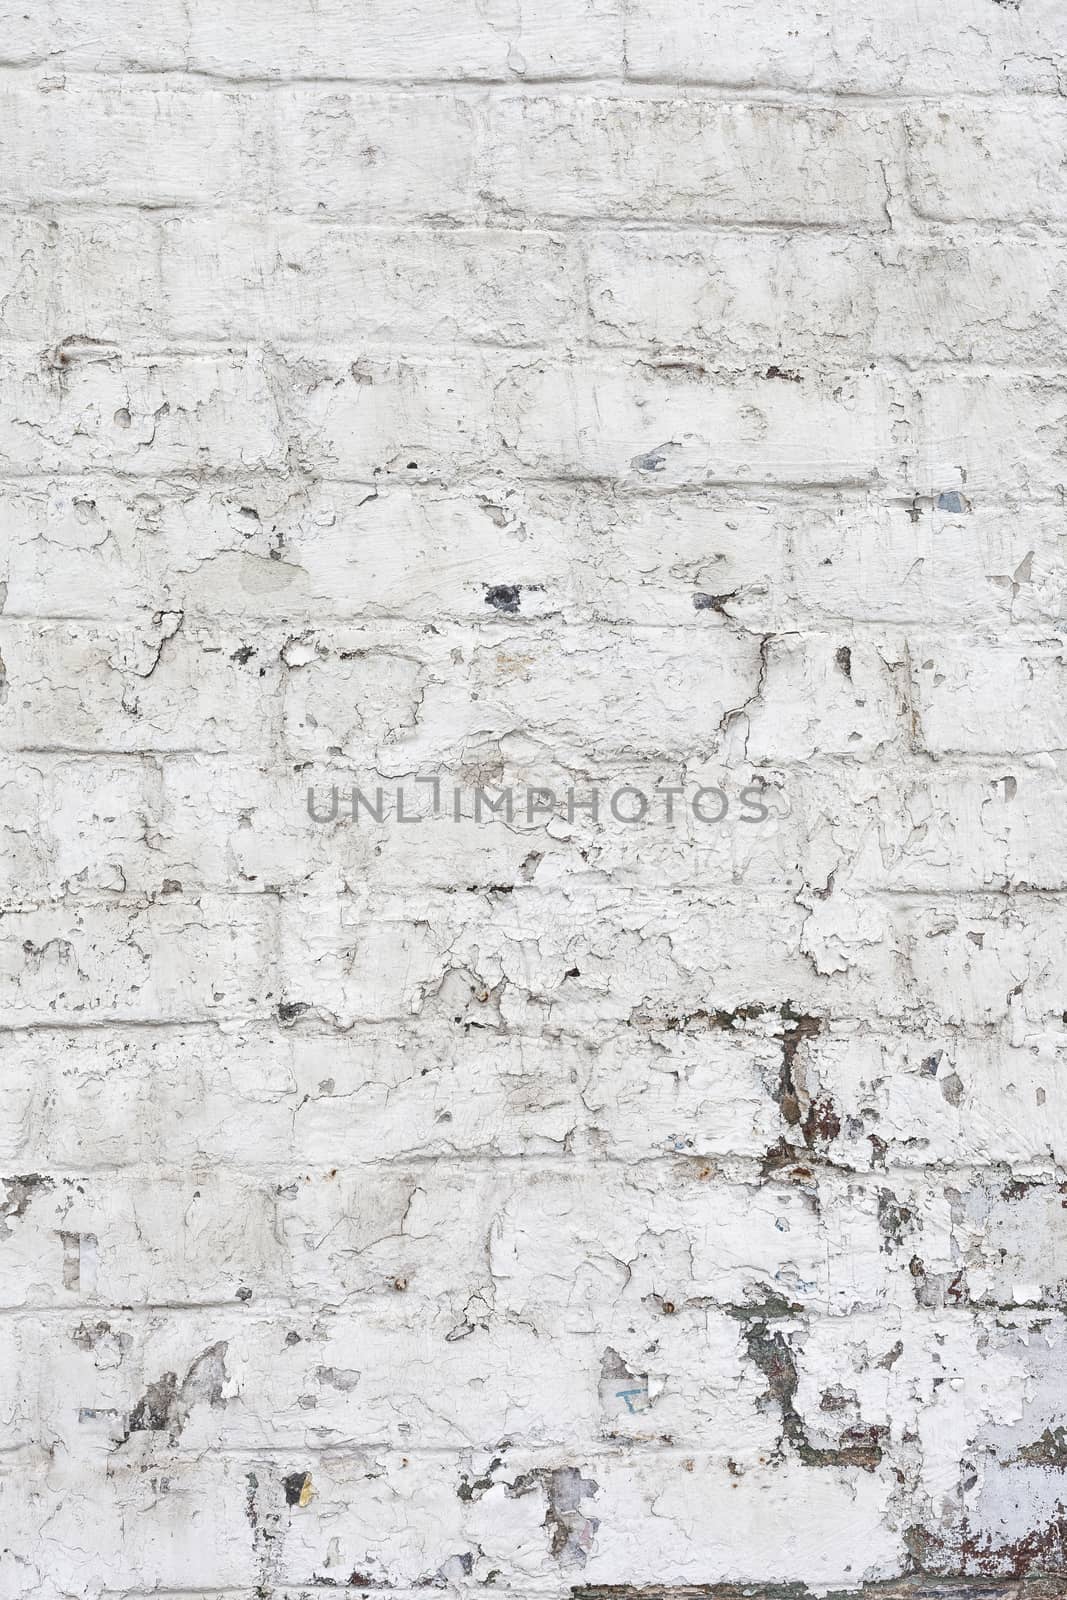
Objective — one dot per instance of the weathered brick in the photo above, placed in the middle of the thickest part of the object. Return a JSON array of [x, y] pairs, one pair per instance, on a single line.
[[447, 39], [355, 1519], [175, 142], [943, 829], [295, 280], [263, 1095], [873, 46], [988, 160], [814, 694], [377, 155], [940, 562], [793, 300], [111, 36], [928, 1100], [993, 701], [386, 961], [363, 692], [665, 159], [59, 273], [956, 444], [82, 405], [120, 961], [151, 686], [259, 551], [673, 424]]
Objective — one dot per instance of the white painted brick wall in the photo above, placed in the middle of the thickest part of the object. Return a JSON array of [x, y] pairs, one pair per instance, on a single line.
[[524, 393]]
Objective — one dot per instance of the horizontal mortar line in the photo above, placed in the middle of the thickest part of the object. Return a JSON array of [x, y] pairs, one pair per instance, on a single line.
[[498, 217], [922, 230], [962, 896], [594, 1037], [214, 631], [236, 1021], [685, 358], [839, 1031], [519, 227], [548, 1590], [918, 768], [280, 1589], [575, 896], [365, 1304], [467, 85], [66, 926], [861, 781], [133, 1023], [509, 473], [347, 1450], [418, 1030], [469, 215], [516, 477], [862, 496], [1001, 636], [959, 896], [563, 624], [414, 1589], [902, 1587], [717, 90], [991, 634], [624, 85], [623, 486], [725, 897], [722, 1171], [846, 1024], [601, 1036], [907, 1317], [483, 632], [110, 754], [495, 464], [531, 1589], [254, 1591], [351, 1444], [755, 893], [826, 765], [275, 1305]]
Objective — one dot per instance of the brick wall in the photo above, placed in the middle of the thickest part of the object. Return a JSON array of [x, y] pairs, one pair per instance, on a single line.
[[520, 394]]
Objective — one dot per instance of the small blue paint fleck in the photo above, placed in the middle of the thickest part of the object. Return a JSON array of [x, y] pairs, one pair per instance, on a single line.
[[951, 500], [629, 1394]]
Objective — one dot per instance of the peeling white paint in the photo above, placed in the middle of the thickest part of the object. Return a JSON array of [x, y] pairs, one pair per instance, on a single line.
[[552, 396]]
